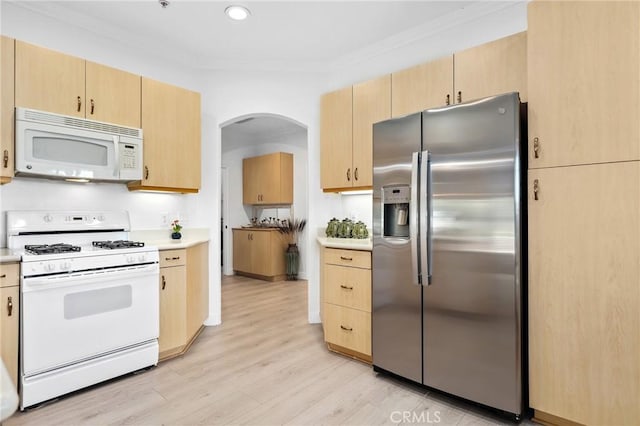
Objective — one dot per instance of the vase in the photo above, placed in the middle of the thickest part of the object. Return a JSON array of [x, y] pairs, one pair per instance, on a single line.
[[293, 261], [176, 235]]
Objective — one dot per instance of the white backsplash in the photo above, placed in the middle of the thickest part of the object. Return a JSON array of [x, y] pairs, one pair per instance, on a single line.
[[358, 207]]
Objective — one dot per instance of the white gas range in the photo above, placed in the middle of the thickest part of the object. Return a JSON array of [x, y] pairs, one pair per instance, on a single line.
[[89, 300]]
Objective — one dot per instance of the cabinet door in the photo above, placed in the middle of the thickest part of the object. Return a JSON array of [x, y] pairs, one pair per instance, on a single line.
[[197, 287], [268, 177], [336, 135], [242, 250], [112, 95], [421, 87], [584, 90], [584, 297], [371, 103], [171, 126], [9, 314], [492, 69], [261, 253], [250, 181], [7, 117], [173, 309], [49, 81]]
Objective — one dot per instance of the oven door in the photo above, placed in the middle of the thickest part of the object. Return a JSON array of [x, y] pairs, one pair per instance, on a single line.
[[73, 317]]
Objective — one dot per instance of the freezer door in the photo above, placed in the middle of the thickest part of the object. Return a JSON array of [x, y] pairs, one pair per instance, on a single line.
[[397, 299], [472, 309]]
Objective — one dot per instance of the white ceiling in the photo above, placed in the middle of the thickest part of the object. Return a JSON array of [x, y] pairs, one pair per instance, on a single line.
[[309, 35], [258, 129]]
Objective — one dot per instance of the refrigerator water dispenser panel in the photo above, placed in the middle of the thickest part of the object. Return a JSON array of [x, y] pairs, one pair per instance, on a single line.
[[395, 200]]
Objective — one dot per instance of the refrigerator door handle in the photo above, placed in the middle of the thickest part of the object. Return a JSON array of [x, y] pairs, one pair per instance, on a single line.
[[413, 218], [425, 218]]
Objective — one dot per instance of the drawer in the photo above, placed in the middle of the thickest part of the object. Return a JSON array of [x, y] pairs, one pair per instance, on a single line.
[[349, 287], [173, 257], [354, 258], [9, 274], [349, 328]]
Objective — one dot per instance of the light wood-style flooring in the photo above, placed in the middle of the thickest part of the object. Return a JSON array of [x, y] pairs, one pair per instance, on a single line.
[[265, 365]]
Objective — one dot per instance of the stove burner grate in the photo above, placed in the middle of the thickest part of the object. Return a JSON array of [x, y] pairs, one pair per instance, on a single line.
[[117, 244], [51, 248]]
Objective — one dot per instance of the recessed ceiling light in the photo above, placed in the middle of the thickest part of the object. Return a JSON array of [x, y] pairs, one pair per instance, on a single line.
[[237, 13]]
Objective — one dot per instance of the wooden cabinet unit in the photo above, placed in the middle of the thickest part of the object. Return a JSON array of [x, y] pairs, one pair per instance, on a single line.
[[54, 82], [268, 179], [184, 297], [171, 128], [346, 301], [584, 212], [421, 87], [9, 317], [7, 110], [259, 253], [486, 70], [492, 69], [346, 134], [583, 82]]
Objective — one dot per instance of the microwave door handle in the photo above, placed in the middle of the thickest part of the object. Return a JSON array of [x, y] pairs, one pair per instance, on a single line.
[[413, 218], [116, 152]]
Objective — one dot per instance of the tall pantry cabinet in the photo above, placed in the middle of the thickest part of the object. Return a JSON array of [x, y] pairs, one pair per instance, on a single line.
[[584, 211]]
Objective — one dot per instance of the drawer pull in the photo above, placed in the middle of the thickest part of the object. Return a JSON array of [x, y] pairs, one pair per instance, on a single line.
[[164, 282], [346, 258], [346, 287], [9, 305], [3, 276], [172, 258], [346, 328]]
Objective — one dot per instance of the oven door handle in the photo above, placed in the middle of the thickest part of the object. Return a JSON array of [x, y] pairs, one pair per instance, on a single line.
[[86, 278]]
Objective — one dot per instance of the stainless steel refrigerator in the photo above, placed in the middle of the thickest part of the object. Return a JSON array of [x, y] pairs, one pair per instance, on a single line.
[[448, 264]]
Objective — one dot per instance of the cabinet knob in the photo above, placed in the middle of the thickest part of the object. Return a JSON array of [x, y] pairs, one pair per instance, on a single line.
[[447, 101], [460, 97], [349, 174], [536, 188], [5, 159], [536, 147], [92, 106], [79, 103], [164, 282], [9, 305]]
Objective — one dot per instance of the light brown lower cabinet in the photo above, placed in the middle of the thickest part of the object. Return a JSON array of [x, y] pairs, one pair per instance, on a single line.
[[584, 293], [346, 301], [259, 253], [9, 315], [184, 298]]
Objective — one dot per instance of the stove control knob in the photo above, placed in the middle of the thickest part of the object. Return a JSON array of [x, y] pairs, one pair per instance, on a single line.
[[65, 266], [49, 267], [47, 218], [131, 259], [142, 258]]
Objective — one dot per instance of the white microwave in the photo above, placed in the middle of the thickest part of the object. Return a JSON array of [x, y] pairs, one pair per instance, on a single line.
[[76, 149]]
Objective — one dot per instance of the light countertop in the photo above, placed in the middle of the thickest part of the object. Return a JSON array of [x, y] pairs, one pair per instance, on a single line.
[[346, 243], [162, 238], [7, 255]]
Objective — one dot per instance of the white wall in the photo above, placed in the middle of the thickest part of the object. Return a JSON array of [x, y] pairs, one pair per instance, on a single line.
[[230, 94], [239, 214]]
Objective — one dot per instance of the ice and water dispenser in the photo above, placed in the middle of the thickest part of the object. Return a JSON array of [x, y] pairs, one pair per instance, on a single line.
[[395, 201]]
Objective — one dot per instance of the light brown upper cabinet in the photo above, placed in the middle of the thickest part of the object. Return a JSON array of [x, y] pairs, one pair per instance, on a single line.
[[491, 69], [7, 117], [171, 129], [268, 179], [584, 89], [346, 133], [52, 81], [421, 87]]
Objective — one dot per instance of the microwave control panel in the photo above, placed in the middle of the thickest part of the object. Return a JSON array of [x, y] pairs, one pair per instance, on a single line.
[[128, 156]]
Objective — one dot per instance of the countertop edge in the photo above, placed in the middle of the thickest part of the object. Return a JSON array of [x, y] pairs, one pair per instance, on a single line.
[[8, 256], [177, 244], [346, 243]]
